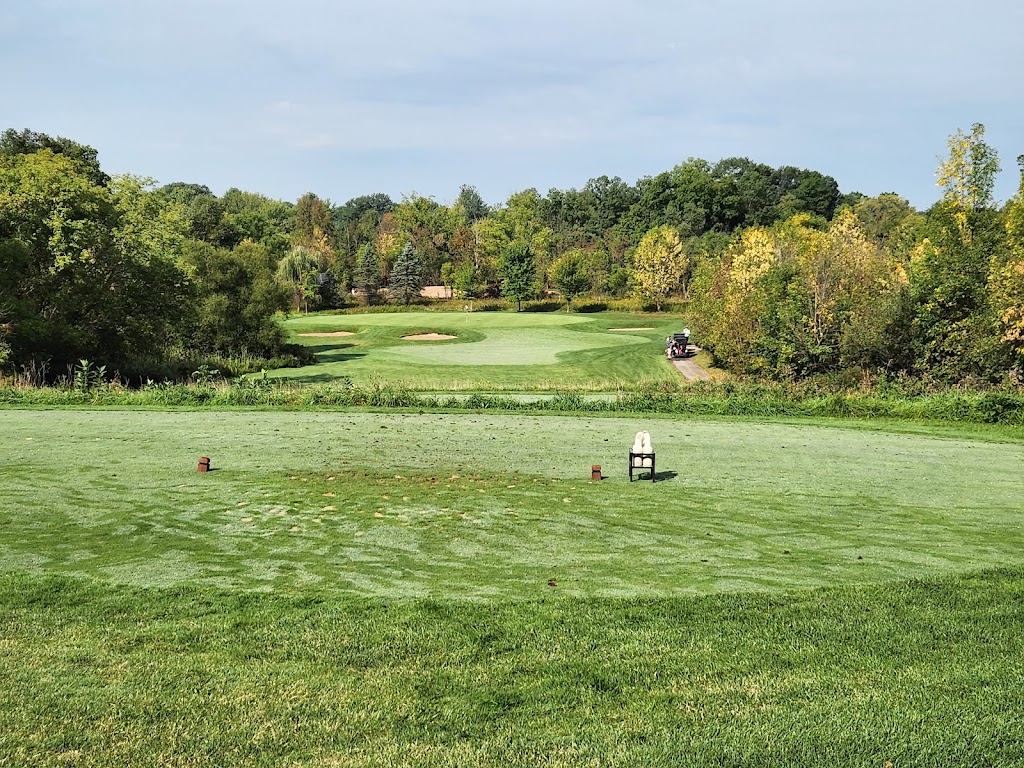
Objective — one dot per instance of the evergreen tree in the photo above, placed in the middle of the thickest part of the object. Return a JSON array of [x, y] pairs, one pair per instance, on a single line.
[[368, 273], [406, 280]]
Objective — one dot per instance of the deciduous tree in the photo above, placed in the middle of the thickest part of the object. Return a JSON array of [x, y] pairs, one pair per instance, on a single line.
[[237, 296], [570, 275], [1006, 278], [518, 271], [297, 270], [659, 265]]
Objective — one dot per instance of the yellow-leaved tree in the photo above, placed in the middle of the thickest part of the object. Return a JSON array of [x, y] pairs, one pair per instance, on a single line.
[[745, 262], [659, 265], [968, 175], [1006, 278]]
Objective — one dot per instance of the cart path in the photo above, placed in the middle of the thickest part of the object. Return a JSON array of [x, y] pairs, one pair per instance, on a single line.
[[689, 369]]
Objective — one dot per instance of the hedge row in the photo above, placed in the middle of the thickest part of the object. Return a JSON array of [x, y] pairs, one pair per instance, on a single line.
[[989, 407]]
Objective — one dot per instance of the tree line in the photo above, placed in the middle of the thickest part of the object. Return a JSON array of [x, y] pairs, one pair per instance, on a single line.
[[785, 275], [880, 288]]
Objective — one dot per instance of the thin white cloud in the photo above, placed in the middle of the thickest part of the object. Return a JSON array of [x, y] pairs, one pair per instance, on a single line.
[[620, 87]]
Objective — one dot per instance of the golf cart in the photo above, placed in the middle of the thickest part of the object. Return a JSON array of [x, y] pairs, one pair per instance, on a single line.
[[677, 346]]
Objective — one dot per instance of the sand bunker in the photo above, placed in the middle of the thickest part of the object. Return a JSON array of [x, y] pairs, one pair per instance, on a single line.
[[332, 333], [428, 337], [647, 328]]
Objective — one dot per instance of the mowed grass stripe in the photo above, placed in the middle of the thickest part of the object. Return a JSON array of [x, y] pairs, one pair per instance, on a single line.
[[909, 674], [492, 507]]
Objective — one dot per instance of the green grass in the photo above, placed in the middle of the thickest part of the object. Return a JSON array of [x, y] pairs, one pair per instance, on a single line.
[[492, 351], [486, 506], [920, 674], [451, 589]]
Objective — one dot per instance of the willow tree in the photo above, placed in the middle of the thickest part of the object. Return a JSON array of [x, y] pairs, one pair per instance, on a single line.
[[296, 271]]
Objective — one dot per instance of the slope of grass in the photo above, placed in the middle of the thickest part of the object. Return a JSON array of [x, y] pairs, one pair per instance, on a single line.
[[488, 506], [492, 351]]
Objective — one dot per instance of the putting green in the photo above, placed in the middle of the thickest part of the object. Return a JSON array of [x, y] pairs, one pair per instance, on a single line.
[[491, 351], [541, 346]]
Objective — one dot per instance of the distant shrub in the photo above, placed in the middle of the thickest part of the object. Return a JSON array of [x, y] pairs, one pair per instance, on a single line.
[[475, 305], [543, 305]]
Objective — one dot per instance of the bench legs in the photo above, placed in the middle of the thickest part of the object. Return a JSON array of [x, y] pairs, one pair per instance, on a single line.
[[652, 468]]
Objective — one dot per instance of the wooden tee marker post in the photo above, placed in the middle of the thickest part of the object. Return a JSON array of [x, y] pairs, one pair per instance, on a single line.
[[595, 472], [204, 464]]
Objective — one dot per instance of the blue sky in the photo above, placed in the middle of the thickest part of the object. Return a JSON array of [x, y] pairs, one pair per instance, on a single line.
[[344, 98]]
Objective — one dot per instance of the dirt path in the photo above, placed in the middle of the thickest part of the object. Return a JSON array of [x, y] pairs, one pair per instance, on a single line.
[[690, 370]]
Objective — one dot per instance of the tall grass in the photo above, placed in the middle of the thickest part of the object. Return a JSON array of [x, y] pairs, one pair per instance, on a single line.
[[997, 406]]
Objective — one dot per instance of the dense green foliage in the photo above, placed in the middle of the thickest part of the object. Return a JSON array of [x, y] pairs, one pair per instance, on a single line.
[[789, 278], [880, 287], [104, 269], [517, 269], [570, 275]]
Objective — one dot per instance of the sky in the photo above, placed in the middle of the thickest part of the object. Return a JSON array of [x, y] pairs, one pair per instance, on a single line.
[[399, 96]]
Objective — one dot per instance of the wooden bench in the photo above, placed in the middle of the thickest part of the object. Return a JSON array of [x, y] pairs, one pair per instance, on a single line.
[[641, 468]]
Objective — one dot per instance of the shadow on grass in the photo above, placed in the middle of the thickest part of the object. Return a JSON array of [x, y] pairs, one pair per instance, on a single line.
[[321, 349], [333, 353], [319, 378], [645, 474]]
